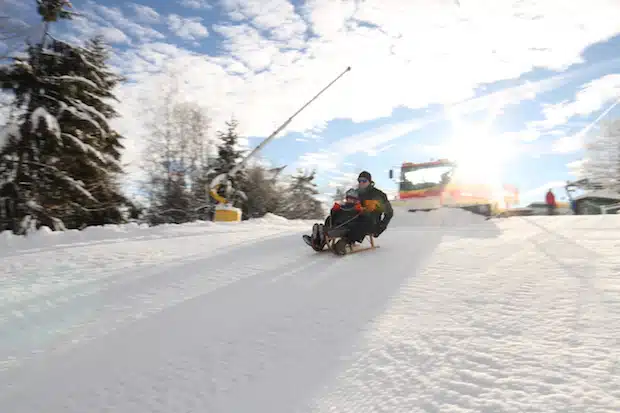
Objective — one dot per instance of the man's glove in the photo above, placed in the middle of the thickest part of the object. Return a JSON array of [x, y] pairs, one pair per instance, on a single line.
[[380, 228]]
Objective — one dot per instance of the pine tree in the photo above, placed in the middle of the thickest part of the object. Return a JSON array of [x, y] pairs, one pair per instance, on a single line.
[[300, 202], [229, 155], [262, 193], [60, 152], [96, 160]]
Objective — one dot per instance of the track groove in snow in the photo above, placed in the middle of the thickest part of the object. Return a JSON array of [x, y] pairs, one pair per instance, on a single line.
[[101, 268], [492, 335], [256, 347], [121, 297], [516, 315]]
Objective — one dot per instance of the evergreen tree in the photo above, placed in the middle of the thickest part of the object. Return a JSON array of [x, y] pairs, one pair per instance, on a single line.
[[229, 155], [60, 152], [173, 202], [300, 201], [261, 189], [96, 159]]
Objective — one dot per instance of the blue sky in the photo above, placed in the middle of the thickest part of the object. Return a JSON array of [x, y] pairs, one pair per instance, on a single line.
[[427, 81]]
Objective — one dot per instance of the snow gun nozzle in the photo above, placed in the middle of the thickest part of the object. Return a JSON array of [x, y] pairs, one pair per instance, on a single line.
[[348, 68]]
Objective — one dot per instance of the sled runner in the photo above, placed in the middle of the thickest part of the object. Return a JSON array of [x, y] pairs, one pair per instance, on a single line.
[[339, 246], [336, 242]]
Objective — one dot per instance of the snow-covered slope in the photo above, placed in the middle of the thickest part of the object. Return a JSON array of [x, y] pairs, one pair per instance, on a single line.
[[451, 314]]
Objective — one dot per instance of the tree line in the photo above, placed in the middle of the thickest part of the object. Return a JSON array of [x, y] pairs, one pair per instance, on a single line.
[[60, 160]]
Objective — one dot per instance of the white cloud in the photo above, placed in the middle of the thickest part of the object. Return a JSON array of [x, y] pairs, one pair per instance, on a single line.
[[576, 168], [196, 4], [275, 17], [251, 50], [113, 24], [17, 27], [145, 14], [273, 75], [106, 16], [567, 144], [189, 28], [277, 56], [381, 136], [586, 102], [343, 180], [331, 158], [377, 151], [526, 135], [328, 17], [113, 35], [20, 4], [591, 98], [144, 65]]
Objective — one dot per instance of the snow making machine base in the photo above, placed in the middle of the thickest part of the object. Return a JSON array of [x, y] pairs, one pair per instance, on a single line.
[[226, 213]]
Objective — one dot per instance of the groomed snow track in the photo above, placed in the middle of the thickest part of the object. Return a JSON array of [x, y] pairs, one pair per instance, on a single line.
[[452, 314]]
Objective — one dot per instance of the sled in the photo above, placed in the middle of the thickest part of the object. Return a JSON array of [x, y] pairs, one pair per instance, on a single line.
[[338, 245]]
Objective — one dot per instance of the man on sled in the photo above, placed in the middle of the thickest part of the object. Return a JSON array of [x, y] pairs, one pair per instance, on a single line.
[[350, 222]]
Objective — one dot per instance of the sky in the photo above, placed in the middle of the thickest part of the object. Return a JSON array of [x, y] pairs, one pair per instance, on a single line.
[[513, 87]]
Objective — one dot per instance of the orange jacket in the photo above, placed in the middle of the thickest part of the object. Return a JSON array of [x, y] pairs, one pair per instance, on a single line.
[[357, 206]]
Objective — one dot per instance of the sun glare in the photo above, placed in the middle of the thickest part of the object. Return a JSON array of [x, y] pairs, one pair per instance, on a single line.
[[480, 156]]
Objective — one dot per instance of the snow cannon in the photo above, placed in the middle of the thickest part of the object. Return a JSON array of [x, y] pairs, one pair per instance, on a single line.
[[224, 211]]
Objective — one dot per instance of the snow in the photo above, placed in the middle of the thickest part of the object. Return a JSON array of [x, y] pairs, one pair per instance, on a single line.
[[74, 79], [51, 123], [81, 115], [226, 207], [89, 149], [452, 314]]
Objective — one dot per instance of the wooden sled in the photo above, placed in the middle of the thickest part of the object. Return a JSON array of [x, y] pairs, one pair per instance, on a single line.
[[338, 245]]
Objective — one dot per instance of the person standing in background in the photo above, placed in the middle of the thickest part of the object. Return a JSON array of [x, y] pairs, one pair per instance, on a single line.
[[550, 201]]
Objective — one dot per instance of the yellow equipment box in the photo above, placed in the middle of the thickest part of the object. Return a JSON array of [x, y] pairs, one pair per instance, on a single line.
[[226, 213]]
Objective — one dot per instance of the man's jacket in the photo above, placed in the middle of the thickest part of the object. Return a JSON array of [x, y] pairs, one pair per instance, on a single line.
[[377, 203]]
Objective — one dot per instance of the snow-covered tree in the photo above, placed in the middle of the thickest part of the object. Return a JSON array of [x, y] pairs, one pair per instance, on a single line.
[[300, 200], [229, 154], [59, 151], [601, 163], [263, 194]]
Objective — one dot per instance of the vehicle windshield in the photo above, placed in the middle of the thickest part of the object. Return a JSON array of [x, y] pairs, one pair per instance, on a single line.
[[427, 176]]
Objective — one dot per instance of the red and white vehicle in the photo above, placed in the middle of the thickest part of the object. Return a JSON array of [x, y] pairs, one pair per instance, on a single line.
[[430, 185]]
